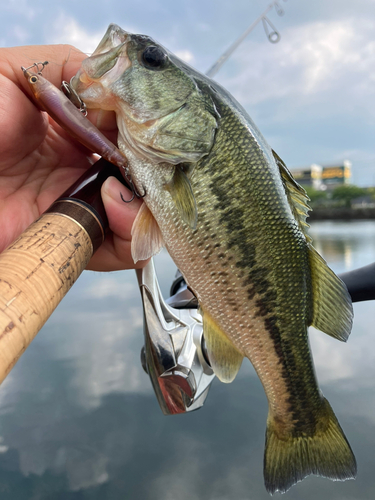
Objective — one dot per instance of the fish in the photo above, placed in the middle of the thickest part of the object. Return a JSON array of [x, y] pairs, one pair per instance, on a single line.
[[233, 219]]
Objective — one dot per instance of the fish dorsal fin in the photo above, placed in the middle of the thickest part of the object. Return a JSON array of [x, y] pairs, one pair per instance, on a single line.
[[297, 196], [147, 239], [332, 305], [225, 359], [183, 197]]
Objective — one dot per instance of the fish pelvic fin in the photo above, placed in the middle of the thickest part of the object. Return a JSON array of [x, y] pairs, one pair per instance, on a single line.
[[289, 459], [332, 304], [224, 358], [182, 194], [147, 239]]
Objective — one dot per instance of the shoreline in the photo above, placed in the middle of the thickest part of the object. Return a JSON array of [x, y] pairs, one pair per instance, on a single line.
[[342, 213]]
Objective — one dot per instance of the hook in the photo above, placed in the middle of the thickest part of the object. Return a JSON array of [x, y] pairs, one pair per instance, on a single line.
[[128, 201], [135, 192], [72, 95]]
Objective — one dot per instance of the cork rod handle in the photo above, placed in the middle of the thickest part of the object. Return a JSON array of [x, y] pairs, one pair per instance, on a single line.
[[36, 271], [39, 268]]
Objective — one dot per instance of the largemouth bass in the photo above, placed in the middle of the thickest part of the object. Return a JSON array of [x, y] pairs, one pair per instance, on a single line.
[[234, 221]]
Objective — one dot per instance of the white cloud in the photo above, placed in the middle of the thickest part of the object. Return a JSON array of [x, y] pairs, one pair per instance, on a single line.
[[352, 362], [67, 30], [112, 286], [326, 56], [22, 8], [333, 362], [106, 356], [185, 55], [179, 474], [20, 34]]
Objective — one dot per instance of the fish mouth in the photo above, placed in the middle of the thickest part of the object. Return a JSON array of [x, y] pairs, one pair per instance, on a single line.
[[102, 69], [113, 37]]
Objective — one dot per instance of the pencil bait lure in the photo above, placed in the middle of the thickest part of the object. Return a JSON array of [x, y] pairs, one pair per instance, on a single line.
[[69, 117]]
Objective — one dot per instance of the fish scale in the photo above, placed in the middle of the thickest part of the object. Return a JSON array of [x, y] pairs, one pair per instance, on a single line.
[[234, 221], [244, 258]]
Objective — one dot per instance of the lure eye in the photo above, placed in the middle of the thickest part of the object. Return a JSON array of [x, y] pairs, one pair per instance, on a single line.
[[33, 79], [154, 57]]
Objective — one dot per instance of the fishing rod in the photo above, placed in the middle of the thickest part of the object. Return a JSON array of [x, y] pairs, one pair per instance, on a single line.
[[273, 36]]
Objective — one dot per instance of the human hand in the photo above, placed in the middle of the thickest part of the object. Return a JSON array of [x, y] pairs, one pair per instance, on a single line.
[[39, 160]]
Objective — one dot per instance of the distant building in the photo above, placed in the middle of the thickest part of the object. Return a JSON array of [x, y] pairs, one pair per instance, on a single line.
[[323, 178], [309, 176], [336, 175]]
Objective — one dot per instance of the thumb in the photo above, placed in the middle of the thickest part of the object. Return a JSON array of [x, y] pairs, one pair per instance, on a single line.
[[115, 253], [120, 214]]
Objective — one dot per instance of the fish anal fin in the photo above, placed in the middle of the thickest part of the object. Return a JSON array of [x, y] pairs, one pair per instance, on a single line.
[[288, 459], [147, 239], [225, 359], [180, 189], [332, 304]]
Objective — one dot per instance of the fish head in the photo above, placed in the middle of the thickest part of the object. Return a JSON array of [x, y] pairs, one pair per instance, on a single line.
[[161, 112]]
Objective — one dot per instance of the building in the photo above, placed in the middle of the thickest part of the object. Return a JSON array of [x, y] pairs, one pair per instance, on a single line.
[[309, 176], [336, 175], [322, 178]]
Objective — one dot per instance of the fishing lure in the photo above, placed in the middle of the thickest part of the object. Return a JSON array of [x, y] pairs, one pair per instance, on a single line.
[[70, 118]]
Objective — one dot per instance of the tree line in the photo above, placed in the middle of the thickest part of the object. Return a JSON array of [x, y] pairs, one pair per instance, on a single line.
[[345, 195]]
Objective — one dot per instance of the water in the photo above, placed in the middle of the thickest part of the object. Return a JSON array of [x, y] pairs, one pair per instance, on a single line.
[[79, 420]]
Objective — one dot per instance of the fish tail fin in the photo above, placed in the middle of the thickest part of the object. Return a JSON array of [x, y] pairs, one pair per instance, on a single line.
[[288, 459]]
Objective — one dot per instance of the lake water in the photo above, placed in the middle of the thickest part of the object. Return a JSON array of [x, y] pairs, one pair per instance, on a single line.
[[79, 420]]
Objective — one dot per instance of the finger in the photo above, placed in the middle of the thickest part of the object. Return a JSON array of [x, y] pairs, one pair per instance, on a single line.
[[63, 62], [120, 215], [18, 136], [115, 253]]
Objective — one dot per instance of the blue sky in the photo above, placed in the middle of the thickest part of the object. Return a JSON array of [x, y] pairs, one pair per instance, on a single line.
[[311, 95]]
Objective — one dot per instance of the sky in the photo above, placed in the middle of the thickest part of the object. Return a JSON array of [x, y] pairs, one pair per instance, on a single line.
[[312, 95]]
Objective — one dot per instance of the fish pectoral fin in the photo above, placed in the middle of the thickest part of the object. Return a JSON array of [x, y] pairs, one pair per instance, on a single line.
[[290, 458], [179, 188], [225, 359], [332, 305], [297, 196], [147, 239]]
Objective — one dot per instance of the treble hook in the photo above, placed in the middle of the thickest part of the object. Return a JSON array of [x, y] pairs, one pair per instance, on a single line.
[[72, 95], [274, 35], [36, 65], [135, 192]]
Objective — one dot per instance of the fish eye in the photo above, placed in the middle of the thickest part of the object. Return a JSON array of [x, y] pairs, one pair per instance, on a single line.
[[33, 79], [154, 57]]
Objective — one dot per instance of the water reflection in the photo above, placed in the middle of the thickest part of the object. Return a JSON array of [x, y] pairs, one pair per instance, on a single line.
[[78, 419], [345, 245]]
